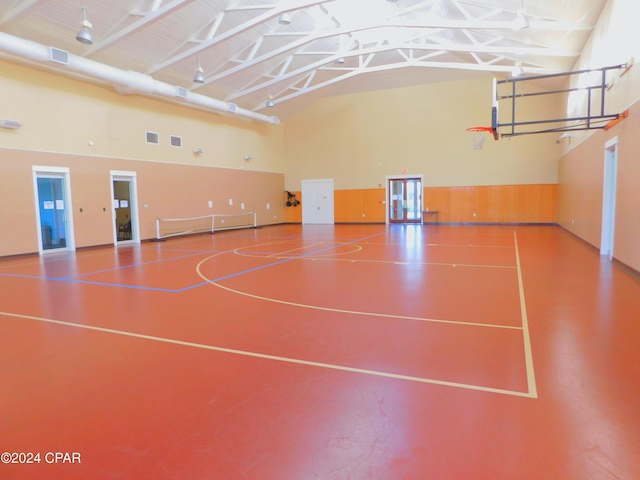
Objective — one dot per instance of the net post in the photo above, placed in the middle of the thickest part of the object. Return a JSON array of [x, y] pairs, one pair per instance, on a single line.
[[255, 221], [157, 228], [213, 222]]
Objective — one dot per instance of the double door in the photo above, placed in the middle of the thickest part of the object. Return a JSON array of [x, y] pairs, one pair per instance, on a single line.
[[405, 200], [317, 202]]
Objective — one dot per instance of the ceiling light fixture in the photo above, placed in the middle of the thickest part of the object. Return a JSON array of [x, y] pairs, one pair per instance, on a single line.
[[339, 61], [285, 19], [199, 77], [517, 69], [84, 34], [270, 103]]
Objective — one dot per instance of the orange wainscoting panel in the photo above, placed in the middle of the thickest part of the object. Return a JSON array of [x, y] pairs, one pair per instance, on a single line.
[[366, 205], [490, 204], [293, 214], [494, 204]]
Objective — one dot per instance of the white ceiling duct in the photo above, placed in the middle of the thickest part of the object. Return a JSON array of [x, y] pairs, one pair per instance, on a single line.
[[126, 82]]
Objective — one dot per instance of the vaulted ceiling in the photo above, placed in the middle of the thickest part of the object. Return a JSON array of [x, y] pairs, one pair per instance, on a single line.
[[289, 53]]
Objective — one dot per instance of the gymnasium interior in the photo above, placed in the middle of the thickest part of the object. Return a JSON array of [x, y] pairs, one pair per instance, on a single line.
[[320, 239]]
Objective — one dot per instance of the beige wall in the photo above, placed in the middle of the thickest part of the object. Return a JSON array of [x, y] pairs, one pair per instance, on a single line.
[[360, 139], [580, 189], [63, 115], [615, 40], [60, 118], [627, 231], [164, 190]]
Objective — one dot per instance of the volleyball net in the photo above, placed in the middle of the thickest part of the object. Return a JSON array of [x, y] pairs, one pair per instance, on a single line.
[[174, 227]]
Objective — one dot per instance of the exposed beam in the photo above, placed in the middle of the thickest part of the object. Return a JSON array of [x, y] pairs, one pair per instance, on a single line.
[[274, 12], [153, 16], [359, 71], [21, 8]]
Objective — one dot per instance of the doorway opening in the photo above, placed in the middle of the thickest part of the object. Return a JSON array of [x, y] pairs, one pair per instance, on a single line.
[[404, 199], [54, 212], [125, 211], [609, 197]]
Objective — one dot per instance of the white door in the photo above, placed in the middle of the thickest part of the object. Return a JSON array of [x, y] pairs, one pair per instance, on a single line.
[[317, 202]]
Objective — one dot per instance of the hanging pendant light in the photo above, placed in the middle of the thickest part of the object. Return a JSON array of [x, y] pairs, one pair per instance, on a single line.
[[199, 77], [84, 34]]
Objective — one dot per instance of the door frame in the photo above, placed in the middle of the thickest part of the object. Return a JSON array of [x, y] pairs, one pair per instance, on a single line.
[[387, 193], [609, 183], [131, 177], [42, 171]]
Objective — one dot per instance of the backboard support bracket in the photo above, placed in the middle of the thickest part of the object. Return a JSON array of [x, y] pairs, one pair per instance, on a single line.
[[595, 116]]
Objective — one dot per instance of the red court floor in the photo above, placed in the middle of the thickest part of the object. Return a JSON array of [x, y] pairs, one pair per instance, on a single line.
[[345, 352]]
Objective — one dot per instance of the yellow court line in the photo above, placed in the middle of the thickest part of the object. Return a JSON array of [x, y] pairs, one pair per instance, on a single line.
[[338, 310], [332, 256], [395, 262], [238, 251], [442, 245], [274, 254], [528, 354], [272, 357]]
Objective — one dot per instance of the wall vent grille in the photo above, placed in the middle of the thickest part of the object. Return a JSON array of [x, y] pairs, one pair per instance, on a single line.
[[153, 137]]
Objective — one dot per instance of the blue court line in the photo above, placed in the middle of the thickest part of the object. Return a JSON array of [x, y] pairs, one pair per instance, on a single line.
[[183, 289], [255, 269], [150, 262], [279, 262], [72, 278], [87, 282]]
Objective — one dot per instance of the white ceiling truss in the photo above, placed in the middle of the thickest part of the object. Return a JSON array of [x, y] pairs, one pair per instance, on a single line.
[[323, 47]]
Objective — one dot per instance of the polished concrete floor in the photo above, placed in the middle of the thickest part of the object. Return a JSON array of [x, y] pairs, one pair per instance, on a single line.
[[341, 352]]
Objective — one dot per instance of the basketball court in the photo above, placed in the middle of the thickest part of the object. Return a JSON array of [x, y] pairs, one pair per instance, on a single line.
[[347, 351], [359, 297]]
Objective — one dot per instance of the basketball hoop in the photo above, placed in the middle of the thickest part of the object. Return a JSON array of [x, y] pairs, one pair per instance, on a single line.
[[478, 136]]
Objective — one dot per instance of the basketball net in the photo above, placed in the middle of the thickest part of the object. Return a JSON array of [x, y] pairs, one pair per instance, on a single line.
[[478, 136]]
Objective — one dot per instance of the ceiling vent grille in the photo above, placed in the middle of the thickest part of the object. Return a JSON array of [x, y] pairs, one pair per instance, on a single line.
[[59, 56], [181, 92]]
